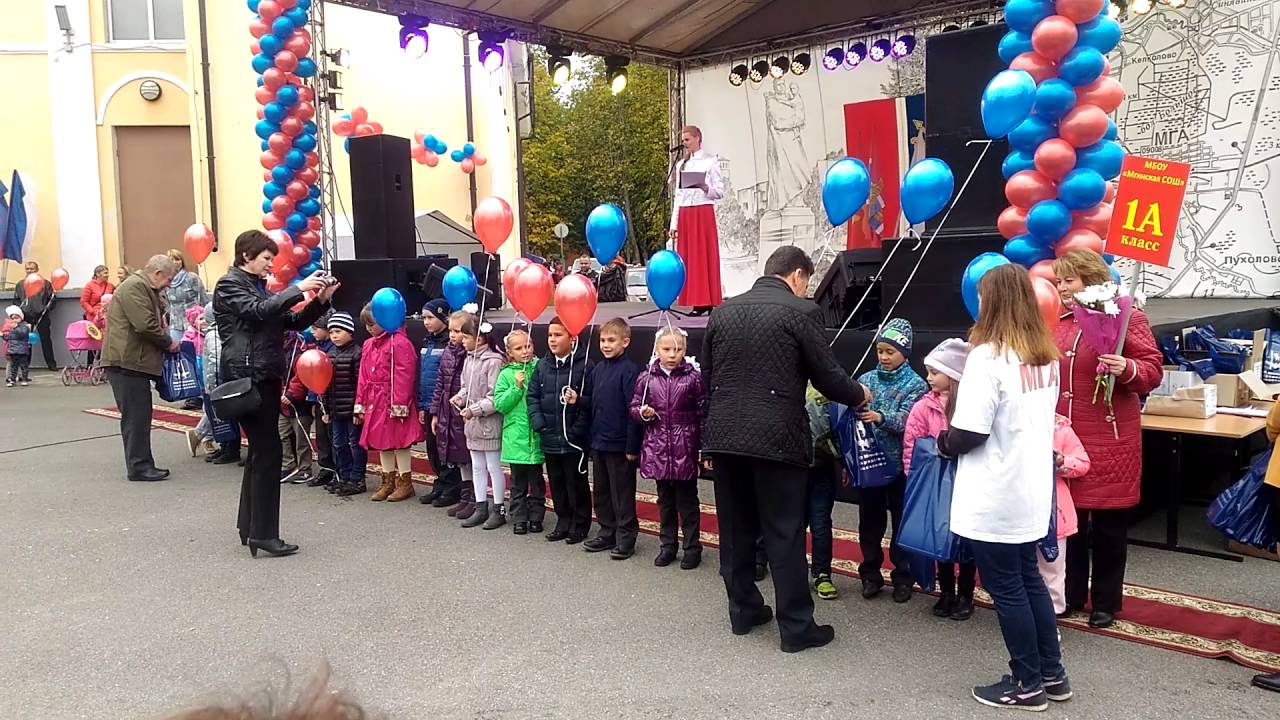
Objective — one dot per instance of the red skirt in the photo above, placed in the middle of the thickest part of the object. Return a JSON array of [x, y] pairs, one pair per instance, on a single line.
[[698, 244]]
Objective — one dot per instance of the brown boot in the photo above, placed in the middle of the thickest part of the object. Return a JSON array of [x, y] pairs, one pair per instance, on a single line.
[[404, 487], [385, 488]]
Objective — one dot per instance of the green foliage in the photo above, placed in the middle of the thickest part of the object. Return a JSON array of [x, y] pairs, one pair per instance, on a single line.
[[590, 147]]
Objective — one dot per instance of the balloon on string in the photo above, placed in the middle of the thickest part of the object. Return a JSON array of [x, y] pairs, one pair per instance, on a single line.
[[60, 277], [1024, 15], [1048, 300], [315, 370], [1082, 189], [1082, 65], [296, 222], [1026, 251], [575, 300], [509, 277], [1101, 33], [263, 129], [309, 238], [532, 290], [309, 207], [1053, 37], [1012, 222], [282, 205], [283, 175], [284, 250], [1047, 222], [297, 16], [1105, 157], [973, 273], [305, 143], [275, 284], [493, 221], [664, 276], [1054, 97], [197, 241], [1031, 133], [1006, 102], [1012, 45], [845, 189], [606, 231], [1015, 162], [1055, 158], [926, 189], [387, 307], [1113, 132], [457, 156], [317, 254], [1029, 187], [272, 221], [459, 286], [309, 268]]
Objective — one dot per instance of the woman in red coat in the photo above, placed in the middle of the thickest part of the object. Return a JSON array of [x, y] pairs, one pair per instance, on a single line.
[[91, 296], [1113, 484]]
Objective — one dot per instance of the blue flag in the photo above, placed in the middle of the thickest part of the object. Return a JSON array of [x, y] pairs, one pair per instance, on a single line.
[[16, 229], [4, 216]]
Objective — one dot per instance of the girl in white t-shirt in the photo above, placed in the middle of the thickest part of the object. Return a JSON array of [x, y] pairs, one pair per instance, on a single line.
[[1002, 430]]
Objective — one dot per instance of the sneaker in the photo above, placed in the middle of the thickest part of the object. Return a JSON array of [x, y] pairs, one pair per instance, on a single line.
[[1009, 694], [8, 383], [25, 383], [1058, 689], [193, 441], [824, 587]]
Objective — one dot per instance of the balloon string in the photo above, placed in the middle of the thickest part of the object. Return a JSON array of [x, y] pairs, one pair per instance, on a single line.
[[870, 286]]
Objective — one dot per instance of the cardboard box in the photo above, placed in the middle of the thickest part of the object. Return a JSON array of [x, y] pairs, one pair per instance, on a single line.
[[1251, 551], [1233, 391], [1175, 379], [1199, 402], [1258, 390]]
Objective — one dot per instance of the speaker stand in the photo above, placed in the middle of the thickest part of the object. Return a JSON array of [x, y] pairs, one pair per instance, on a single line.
[[647, 313]]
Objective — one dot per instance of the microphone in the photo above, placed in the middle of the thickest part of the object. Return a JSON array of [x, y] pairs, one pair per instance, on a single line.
[[676, 149]]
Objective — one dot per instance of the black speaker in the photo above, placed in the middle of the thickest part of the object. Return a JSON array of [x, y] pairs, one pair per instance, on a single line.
[[382, 197], [362, 278], [848, 278], [433, 280], [932, 301], [488, 270], [958, 65]]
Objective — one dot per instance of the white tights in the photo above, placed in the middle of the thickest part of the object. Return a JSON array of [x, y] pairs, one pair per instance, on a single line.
[[393, 459], [486, 469]]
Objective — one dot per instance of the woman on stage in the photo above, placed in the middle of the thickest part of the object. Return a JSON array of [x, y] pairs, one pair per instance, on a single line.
[[693, 222]]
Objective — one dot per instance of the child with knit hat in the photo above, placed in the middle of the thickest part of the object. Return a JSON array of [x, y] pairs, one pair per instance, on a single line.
[[931, 417], [339, 406], [448, 481], [895, 387], [17, 335]]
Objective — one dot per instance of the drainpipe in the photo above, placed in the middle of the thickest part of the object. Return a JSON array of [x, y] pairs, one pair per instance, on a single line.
[[471, 128], [208, 121]]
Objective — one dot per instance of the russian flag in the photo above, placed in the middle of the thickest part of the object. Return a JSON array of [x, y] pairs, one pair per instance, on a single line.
[[13, 221], [887, 135]]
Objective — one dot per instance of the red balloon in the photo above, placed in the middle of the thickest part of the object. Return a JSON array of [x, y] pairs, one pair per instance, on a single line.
[[418, 135], [419, 154], [272, 221], [1048, 299], [493, 221], [263, 95], [1038, 66], [273, 79], [269, 159], [364, 130], [262, 113], [1083, 125], [1080, 11], [296, 190], [306, 94], [343, 127], [279, 143], [1096, 218], [257, 28], [314, 223], [1054, 37], [307, 176], [1055, 158], [575, 302], [298, 44], [266, 176], [287, 4], [60, 277], [286, 61], [431, 159], [509, 277], [275, 284], [315, 370], [284, 254], [299, 255], [269, 9], [1012, 222], [377, 127], [1105, 92], [479, 159], [304, 111], [467, 165], [1029, 187], [309, 239], [359, 115], [1043, 269], [1111, 192], [33, 285], [291, 126], [282, 205], [255, 47], [198, 242], [313, 159], [532, 290], [1078, 239]]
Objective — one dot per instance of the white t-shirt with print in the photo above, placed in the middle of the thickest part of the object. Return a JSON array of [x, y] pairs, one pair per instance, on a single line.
[[1004, 487]]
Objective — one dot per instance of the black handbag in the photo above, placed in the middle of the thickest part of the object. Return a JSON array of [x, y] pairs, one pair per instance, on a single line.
[[235, 399]]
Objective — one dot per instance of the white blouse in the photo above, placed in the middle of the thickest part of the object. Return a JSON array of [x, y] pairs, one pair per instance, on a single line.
[[700, 161]]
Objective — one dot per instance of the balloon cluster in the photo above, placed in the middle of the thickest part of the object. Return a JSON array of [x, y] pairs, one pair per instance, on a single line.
[[281, 47], [427, 150], [1053, 105], [355, 124]]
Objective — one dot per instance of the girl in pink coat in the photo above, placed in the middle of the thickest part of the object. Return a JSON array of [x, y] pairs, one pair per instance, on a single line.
[[1070, 461], [386, 407]]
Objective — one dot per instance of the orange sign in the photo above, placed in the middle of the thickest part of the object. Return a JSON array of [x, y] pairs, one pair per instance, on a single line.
[[1145, 214]]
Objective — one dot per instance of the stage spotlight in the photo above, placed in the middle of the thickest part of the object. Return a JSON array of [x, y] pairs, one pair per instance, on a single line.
[[738, 74], [800, 63], [413, 35], [879, 50], [759, 70], [779, 66], [903, 46], [616, 72], [491, 52], [857, 53], [833, 58], [559, 67]]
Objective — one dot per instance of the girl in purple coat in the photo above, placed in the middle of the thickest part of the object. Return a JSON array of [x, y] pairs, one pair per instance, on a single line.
[[447, 422], [385, 405], [671, 400]]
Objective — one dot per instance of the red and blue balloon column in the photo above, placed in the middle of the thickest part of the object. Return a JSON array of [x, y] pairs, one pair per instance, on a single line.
[[291, 205]]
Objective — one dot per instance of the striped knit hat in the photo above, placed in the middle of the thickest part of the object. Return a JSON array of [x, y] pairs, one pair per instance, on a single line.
[[341, 321]]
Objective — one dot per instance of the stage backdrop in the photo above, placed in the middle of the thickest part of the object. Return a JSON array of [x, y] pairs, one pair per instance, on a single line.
[[1203, 85]]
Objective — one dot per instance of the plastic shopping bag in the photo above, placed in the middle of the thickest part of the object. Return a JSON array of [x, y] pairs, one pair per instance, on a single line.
[[864, 458], [925, 529], [1243, 512], [180, 381]]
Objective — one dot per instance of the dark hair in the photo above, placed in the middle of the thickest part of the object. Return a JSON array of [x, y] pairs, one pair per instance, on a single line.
[[786, 260], [250, 244], [555, 320]]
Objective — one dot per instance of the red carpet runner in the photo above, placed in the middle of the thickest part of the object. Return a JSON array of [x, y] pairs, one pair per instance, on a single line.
[[1162, 618]]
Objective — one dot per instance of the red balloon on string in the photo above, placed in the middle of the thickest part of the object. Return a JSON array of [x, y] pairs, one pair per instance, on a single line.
[[272, 221], [273, 79], [306, 94], [1054, 36], [296, 189], [1083, 125], [287, 4], [509, 277], [479, 159], [377, 127], [255, 48], [307, 176], [532, 290], [314, 223], [419, 154], [1012, 222], [1029, 187], [364, 130], [301, 255], [298, 44], [315, 370], [493, 221], [282, 205], [313, 159], [1078, 239], [575, 302], [1105, 92], [308, 238], [279, 143], [467, 166], [431, 159], [262, 113], [1055, 158], [291, 126], [33, 285], [1049, 301], [304, 111], [269, 9], [59, 278], [269, 159], [267, 177], [198, 241], [1044, 269]]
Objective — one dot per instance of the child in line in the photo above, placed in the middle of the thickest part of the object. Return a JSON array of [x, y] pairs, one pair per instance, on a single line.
[[560, 410], [521, 447], [895, 388], [385, 406], [17, 335], [225, 433], [448, 426], [202, 434], [435, 318], [930, 417], [823, 479], [296, 416], [1069, 461], [339, 405], [482, 425], [671, 400], [323, 433], [615, 443]]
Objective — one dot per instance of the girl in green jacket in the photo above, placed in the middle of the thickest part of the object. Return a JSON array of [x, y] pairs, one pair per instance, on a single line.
[[521, 448]]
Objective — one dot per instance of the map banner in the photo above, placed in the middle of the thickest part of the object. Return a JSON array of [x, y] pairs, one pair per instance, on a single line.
[[1148, 201]]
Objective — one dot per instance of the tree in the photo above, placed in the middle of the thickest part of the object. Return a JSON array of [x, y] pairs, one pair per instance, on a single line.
[[590, 147]]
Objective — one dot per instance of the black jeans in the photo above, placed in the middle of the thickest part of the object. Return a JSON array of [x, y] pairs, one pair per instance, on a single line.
[[678, 509], [822, 500], [570, 492], [528, 494], [20, 369], [615, 498], [947, 579], [876, 503], [1012, 577], [259, 516], [1103, 537], [324, 442], [46, 338], [350, 459], [132, 392], [756, 497]]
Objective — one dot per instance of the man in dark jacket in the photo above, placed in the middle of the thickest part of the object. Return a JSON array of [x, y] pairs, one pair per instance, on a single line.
[[133, 355], [38, 310], [760, 350], [615, 443]]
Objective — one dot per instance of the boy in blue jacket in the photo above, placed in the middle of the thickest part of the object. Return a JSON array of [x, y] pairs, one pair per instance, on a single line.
[[615, 444], [448, 482]]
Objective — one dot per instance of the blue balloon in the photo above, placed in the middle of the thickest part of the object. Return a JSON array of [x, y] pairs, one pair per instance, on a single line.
[[264, 128], [261, 63], [304, 4], [1024, 15], [308, 269], [33, 337], [1016, 162], [287, 96], [309, 207], [297, 279], [459, 286], [317, 254], [306, 68], [606, 231], [307, 334], [1108, 258], [305, 143], [1081, 189], [926, 189], [457, 156], [429, 142], [973, 273], [1025, 251], [310, 128], [1082, 65], [387, 307], [295, 159], [282, 27], [314, 191], [1013, 44], [265, 145], [1101, 33], [1047, 222], [1007, 101], [260, 81], [1033, 131], [253, 5], [665, 277], [1115, 277], [346, 144], [282, 174], [468, 149], [266, 207], [1113, 132], [441, 148], [1054, 98], [274, 112], [272, 190], [845, 190], [270, 45], [1105, 157], [297, 16], [297, 222]]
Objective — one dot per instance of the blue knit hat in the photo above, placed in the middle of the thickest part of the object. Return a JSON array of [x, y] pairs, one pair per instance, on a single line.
[[439, 308], [897, 334]]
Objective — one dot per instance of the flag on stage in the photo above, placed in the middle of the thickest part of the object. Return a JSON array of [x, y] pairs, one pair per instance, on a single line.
[[887, 135]]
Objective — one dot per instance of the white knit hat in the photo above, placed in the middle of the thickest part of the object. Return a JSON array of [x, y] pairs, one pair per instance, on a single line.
[[14, 310], [948, 357]]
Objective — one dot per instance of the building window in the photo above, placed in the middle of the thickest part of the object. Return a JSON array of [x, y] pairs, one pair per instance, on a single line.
[[133, 20]]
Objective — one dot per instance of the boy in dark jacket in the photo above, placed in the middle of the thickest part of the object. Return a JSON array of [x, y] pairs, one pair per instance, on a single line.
[[17, 334], [296, 416], [615, 444], [435, 316], [323, 433], [339, 405], [560, 410]]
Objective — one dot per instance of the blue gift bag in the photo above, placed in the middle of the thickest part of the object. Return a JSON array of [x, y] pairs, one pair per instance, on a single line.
[[1243, 511], [180, 381], [925, 529], [864, 458], [1049, 544]]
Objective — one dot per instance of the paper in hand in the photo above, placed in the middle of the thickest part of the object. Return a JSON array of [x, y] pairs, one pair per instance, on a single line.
[[692, 178]]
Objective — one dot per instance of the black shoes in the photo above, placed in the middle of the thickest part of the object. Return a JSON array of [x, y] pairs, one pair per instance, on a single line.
[[321, 478], [1100, 619], [690, 560], [557, 535], [153, 475], [348, 489], [573, 539], [1267, 682], [1009, 694], [762, 571], [442, 501], [598, 544], [666, 556], [744, 626], [901, 593], [815, 636], [871, 588], [274, 546], [945, 605], [1058, 689], [963, 609], [622, 553], [226, 458], [520, 528], [535, 527]]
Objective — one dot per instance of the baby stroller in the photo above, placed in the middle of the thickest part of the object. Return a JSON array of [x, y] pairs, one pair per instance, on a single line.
[[83, 338]]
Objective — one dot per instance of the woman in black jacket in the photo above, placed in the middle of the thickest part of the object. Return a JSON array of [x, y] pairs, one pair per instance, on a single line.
[[251, 323]]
